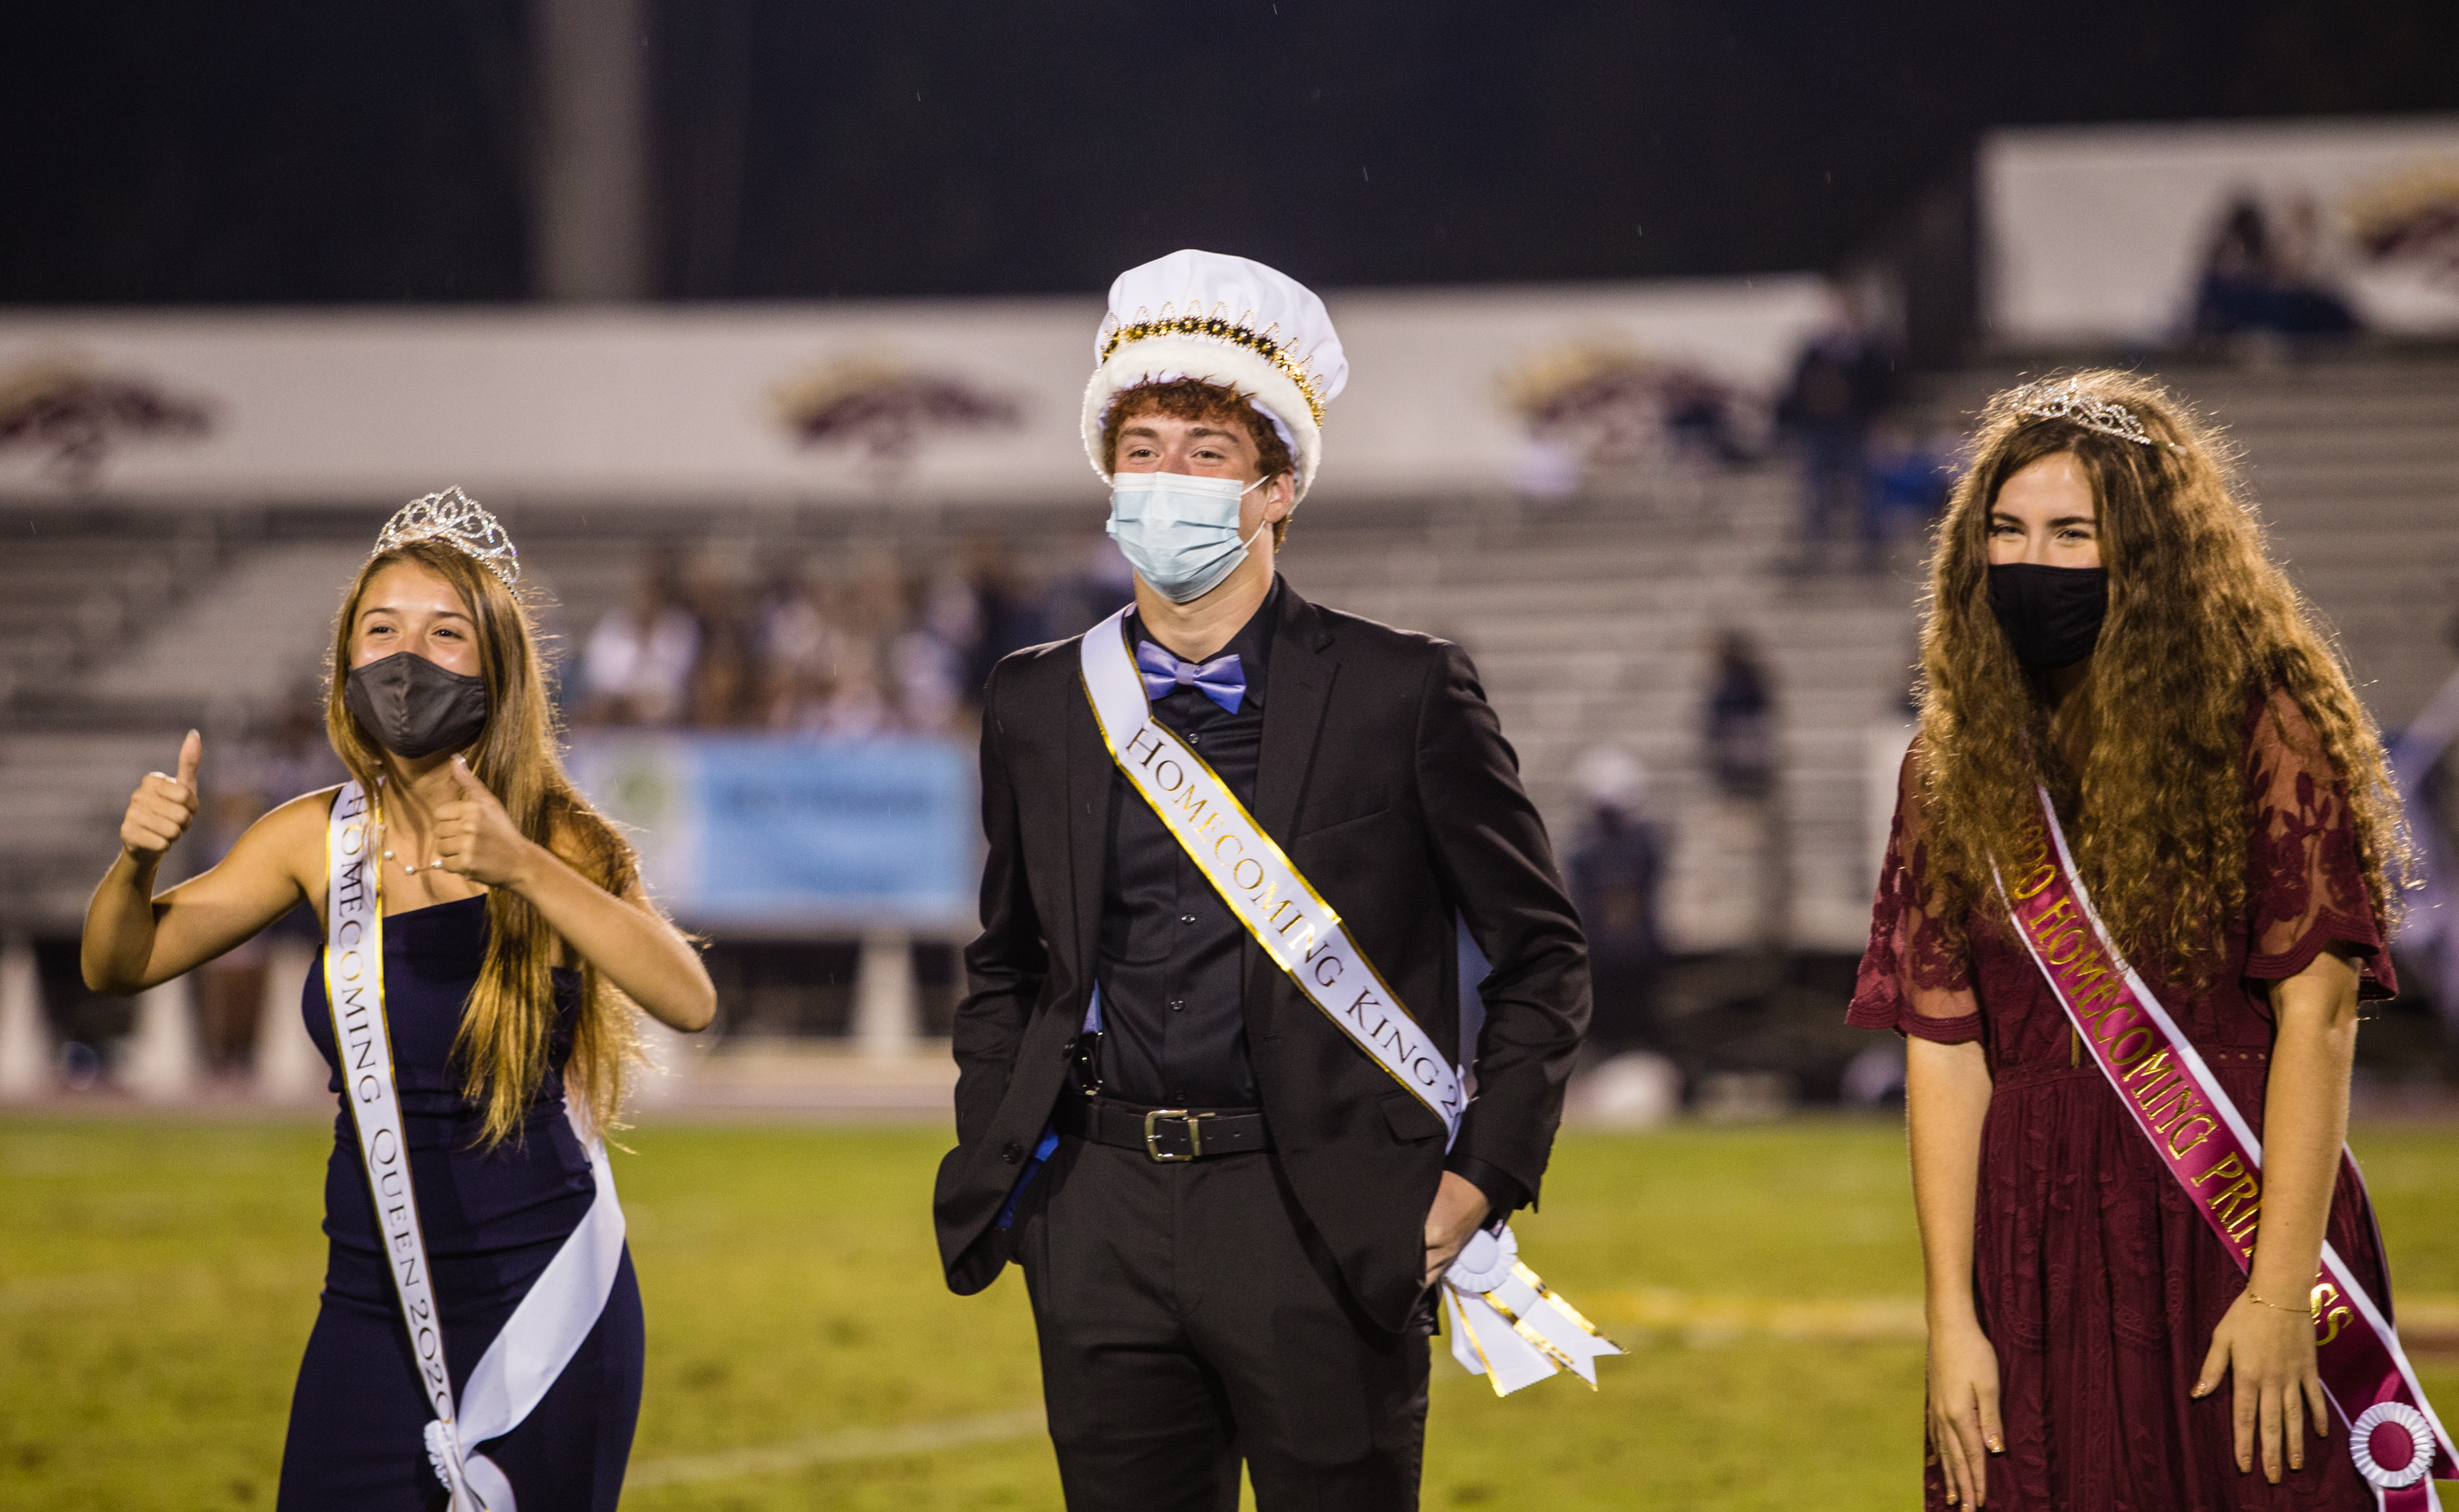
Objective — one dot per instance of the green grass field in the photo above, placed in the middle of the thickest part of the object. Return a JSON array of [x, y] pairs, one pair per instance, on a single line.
[[157, 1279]]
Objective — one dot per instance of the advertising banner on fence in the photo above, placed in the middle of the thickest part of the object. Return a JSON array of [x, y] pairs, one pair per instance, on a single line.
[[781, 835], [912, 402], [2146, 234]]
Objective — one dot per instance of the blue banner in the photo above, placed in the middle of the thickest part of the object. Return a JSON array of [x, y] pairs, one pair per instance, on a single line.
[[791, 834]]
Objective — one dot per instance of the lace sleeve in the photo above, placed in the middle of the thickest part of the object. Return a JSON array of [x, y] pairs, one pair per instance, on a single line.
[[1911, 979], [2304, 889]]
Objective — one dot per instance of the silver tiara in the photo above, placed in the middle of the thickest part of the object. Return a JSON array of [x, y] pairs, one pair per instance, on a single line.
[[460, 522], [2063, 401]]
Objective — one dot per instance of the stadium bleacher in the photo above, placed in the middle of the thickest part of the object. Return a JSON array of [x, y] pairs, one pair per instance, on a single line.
[[1591, 619]]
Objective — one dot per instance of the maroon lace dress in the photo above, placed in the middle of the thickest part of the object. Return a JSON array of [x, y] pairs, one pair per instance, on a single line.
[[2097, 1284]]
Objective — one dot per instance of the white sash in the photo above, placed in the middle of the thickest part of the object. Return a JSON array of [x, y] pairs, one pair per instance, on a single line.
[[2196, 1131], [1506, 1326], [1297, 929], [560, 1306]]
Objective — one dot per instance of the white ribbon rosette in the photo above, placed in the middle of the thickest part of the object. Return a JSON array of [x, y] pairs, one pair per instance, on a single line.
[[1508, 1327]]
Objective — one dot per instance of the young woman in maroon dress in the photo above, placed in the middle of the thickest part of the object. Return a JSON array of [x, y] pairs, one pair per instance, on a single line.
[[2105, 622]]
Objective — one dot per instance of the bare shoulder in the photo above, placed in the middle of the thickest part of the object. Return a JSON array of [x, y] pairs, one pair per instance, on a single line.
[[304, 817], [292, 836]]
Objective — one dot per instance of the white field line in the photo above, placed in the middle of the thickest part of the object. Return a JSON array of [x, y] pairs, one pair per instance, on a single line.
[[859, 1443], [1639, 1311], [1655, 1309]]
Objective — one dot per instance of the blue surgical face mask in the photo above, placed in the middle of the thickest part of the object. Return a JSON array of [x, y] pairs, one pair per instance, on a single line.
[[1179, 531]]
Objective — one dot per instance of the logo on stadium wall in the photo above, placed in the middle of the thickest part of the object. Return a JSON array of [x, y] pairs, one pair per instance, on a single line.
[[70, 416], [1588, 407], [884, 411], [2412, 218]]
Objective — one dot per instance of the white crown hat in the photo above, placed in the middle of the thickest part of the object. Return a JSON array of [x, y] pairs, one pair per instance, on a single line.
[[1224, 319]]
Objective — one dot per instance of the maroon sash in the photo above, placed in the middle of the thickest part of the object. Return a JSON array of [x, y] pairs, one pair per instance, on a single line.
[[2398, 1444]]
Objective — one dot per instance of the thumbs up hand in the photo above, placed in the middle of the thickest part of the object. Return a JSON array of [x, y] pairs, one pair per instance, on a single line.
[[476, 838], [161, 809]]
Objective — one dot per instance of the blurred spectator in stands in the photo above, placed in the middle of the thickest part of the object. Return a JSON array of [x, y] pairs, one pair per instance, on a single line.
[[1738, 747], [1910, 477], [1738, 725], [723, 689], [2303, 300], [284, 756], [1840, 381], [857, 705], [638, 665], [294, 756], [796, 648], [1102, 584], [2261, 283], [866, 654], [930, 661], [1616, 866], [724, 682], [230, 988], [1702, 416], [2236, 269], [1014, 616]]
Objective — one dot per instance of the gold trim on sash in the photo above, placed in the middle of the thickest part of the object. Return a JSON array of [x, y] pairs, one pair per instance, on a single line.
[[1442, 1095]]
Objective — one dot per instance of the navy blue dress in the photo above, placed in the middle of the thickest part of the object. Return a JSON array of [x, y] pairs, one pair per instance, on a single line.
[[493, 1220]]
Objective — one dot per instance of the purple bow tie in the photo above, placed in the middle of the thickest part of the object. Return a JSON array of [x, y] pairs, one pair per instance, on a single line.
[[1223, 680]]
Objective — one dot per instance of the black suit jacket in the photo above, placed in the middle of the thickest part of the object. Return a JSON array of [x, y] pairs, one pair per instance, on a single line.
[[1385, 776]]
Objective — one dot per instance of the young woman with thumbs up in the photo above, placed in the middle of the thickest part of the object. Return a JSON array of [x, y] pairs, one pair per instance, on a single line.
[[506, 940]]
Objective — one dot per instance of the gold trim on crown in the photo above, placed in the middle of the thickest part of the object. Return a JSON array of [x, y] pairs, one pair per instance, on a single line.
[[1218, 327], [460, 522]]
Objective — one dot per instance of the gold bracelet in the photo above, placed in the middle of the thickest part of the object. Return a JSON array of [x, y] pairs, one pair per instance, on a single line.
[[2304, 1312]]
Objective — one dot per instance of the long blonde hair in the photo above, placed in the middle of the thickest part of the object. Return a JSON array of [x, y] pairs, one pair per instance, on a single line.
[[2201, 622], [503, 1044]]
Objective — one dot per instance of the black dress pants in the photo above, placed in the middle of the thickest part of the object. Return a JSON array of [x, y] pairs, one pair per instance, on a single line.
[[1190, 1318]]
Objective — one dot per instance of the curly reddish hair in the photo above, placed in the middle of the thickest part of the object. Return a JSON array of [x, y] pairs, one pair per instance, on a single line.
[[2201, 622], [1197, 399]]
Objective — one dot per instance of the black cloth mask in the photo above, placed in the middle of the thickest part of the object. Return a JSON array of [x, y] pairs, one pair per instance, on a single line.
[[413, 707], [2051, 615]]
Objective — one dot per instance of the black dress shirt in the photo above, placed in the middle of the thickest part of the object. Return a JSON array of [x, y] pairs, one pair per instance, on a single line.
[[1171, 955]]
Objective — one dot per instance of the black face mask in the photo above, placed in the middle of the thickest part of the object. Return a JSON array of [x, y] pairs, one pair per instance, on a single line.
[[2051, 615], [413, 707]]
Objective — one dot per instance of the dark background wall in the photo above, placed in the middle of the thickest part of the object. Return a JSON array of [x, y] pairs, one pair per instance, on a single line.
[[309, 150]]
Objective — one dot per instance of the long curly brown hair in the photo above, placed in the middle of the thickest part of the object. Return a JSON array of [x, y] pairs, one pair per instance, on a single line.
[[503, 1045], [2201, 622]]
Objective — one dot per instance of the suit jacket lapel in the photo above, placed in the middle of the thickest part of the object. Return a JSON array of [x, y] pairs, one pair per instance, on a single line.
[[1090, 775], [1296, 691]]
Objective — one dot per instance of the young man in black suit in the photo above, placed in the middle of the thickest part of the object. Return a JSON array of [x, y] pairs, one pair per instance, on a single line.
[[1232, 1185]]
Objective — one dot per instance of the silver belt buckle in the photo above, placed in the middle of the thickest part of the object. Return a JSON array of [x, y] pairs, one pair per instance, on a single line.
[[1192, 1123]]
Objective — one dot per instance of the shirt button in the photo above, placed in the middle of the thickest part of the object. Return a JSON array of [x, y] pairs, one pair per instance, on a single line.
[[1187, 918], [1194, 739], [1012, 1153], [1177, 1003]]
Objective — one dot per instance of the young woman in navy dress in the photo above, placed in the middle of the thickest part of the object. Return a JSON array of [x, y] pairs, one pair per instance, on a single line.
[[516, 940]]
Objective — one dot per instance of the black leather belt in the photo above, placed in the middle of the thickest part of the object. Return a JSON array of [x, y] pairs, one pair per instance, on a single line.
[[1166, 1134]]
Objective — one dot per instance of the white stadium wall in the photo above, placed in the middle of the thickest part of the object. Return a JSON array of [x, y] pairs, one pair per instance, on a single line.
[[680, 404], [2097, 233]]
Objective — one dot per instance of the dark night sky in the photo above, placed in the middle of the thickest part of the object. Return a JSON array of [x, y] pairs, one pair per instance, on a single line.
[[337, 150]]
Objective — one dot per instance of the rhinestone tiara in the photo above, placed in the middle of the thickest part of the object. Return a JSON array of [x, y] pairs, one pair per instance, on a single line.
[[460, 522], [2063, 401]]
